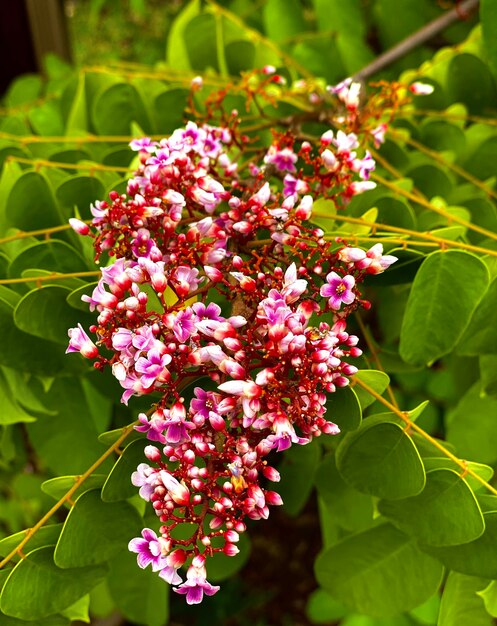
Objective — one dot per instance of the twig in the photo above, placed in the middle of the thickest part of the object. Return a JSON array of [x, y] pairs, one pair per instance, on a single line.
[[412, 425], [417, 39], [32, 531]]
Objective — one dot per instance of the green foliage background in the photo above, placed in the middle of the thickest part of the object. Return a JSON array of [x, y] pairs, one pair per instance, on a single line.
[[409, 533]]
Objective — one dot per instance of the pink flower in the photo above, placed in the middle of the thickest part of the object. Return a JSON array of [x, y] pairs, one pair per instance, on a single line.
[[283, 159], [80, 342], [149, 550], [338, 290], [196, 584], [185, 280], [152, 367]]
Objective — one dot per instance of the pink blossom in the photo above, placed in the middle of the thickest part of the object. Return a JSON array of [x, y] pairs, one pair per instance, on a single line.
[[196, 584], [338, 290], [80, 342], [149, 550]]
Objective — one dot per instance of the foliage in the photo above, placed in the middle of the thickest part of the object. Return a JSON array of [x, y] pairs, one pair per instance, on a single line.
[[407, 514]]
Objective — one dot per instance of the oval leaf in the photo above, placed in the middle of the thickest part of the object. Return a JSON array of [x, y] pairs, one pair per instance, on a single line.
[[381, 459], [94, 531], [379, 572], [37, 588], [118, 485], [445, 513], [445, 292], [477, 558]]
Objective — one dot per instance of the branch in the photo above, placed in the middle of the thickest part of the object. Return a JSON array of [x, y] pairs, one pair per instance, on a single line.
[[413, 426], [32, 531], [417, 39]]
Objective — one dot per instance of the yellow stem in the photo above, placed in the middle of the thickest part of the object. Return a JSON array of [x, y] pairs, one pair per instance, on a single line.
[[443, 243], [32, 531], [374, 353], [434, 208], [33, 233], [28, 139], [412, 425], [450, 116], [436, 156], [37, 163], [54, 276]]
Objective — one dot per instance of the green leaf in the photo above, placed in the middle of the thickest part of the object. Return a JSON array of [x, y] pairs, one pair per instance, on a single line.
[[29, 392], [139, 594], [461, 604], [45, 313], [431, 180], [347, 507], [427, 613], [323, 609], [380, 459], [36, 588], [470, 82], [477, 558], [52, 437], [111, 436], [30, 354], [169, 109], [12, 412], [59, 486], [297, 476], [177, 52], [445, 513], [79, 610], [46, 119], [23, 90], [471, 426], [378, 381], [45, 536], [480, 336], [80, 191], [53, 620], [116, 107], [344, 409], [91, 535], [379, 572], [283, 19], [77, 120], [488, 18], [53, 255], [445, 292], [31, 204], [118, 485], [489, 595]]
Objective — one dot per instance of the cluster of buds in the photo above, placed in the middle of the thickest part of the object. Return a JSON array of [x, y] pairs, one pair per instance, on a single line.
[[228, 306]]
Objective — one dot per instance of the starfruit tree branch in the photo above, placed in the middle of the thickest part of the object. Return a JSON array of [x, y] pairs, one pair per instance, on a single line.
[[418, 38], [77, 483], [91, 167], [441, 242], [438, 158], [404, 416], [49, 277], [429, 205], [374, 354]]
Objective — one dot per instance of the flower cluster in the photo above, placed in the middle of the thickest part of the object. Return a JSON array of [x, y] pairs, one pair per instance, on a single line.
[[225, 303]]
